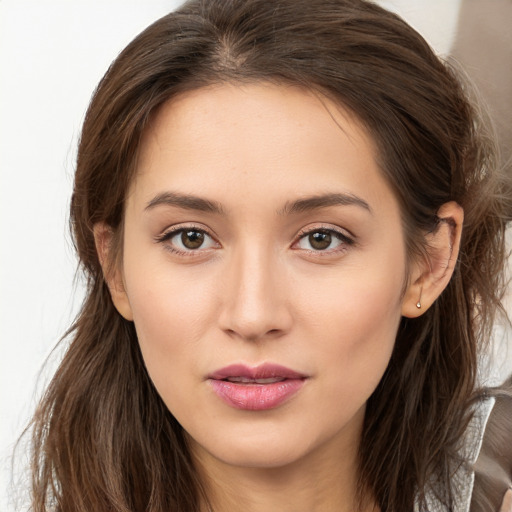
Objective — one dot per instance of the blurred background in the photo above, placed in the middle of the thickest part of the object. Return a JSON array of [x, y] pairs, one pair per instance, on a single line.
[[52, 55]]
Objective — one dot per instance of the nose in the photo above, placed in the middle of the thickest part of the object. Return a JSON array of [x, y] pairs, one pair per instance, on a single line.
[[255, 304]]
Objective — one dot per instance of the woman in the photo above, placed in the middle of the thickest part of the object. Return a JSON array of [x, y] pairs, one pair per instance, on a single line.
[[294, 239]]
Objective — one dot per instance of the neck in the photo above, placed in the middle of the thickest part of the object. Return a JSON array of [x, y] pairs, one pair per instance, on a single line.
[[323, 481]]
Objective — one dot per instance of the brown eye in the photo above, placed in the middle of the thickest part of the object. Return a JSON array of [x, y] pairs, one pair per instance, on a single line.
[[192, 239], [320, 240], [187, 240], [324, 240]]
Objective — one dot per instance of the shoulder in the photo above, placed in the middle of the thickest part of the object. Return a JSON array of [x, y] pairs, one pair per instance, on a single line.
[[456, 495], [484, 471], [493, 467]]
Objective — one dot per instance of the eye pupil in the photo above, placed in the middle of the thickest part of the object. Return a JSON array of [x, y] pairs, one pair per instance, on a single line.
[[192, 239], [320, 240]]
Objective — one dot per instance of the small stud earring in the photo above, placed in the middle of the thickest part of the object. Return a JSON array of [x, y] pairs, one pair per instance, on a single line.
[[418, 304]]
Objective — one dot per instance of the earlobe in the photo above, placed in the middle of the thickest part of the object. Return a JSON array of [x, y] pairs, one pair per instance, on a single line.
[[430, 276], [103, 237]]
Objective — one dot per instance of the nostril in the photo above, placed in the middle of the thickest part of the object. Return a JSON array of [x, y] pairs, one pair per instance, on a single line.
[[254, 336]]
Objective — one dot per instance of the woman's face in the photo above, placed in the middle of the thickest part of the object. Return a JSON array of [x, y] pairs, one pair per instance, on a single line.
[[263, 266]]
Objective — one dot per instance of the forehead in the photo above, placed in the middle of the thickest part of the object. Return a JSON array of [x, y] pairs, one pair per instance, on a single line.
[[228, 107], [230, 141]]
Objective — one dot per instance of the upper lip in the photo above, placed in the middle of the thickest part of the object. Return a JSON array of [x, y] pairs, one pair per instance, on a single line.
[[262, 371]]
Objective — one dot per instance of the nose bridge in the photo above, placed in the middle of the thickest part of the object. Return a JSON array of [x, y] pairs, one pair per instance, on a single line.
[[255, 305]]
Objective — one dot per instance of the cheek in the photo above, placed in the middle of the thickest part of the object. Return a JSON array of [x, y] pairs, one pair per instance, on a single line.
[[355, 326], [172, 312], [364, 331]]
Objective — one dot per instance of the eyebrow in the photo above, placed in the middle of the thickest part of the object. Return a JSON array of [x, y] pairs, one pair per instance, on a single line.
[[323, 201], [186, 201], [192, 202]]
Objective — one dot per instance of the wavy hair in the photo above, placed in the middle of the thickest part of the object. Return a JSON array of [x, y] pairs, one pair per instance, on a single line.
[[103, 440]]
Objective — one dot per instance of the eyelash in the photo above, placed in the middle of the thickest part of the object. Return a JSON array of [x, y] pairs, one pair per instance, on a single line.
[[172, 232], [343, 238]]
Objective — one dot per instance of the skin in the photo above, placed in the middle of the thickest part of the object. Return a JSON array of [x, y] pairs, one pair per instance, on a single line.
[[506, 506], [257, 290]]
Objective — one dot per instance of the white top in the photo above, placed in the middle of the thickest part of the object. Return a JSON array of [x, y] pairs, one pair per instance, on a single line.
[[464, 476]]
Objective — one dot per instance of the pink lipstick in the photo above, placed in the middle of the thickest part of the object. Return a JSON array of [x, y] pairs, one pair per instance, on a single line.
[[256, 389]]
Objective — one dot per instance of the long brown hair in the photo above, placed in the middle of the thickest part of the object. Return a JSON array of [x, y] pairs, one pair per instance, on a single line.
[[102, 437]]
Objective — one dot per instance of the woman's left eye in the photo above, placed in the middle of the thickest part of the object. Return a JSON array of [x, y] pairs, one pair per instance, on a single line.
[[320, 240], [188, 240]]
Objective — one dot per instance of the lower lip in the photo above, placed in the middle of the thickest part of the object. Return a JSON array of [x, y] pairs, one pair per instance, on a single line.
[[256, 397]]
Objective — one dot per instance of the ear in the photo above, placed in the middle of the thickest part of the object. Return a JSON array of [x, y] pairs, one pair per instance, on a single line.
[[112, 273], [430, 276]]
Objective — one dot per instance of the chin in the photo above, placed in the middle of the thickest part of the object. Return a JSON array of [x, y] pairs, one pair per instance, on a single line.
[[258, 457], [269, 447]]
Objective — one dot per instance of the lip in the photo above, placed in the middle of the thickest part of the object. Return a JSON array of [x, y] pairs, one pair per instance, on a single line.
[[254, 396], [262, 371]]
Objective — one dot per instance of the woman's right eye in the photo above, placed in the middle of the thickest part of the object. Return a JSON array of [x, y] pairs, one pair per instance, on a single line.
[[187, 240]]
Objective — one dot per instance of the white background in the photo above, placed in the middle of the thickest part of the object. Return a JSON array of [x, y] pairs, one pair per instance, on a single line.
[[52, 54]]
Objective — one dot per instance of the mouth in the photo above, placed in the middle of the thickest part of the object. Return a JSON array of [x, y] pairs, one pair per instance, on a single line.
[[246, 380], [264, 387], [262, 372]]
